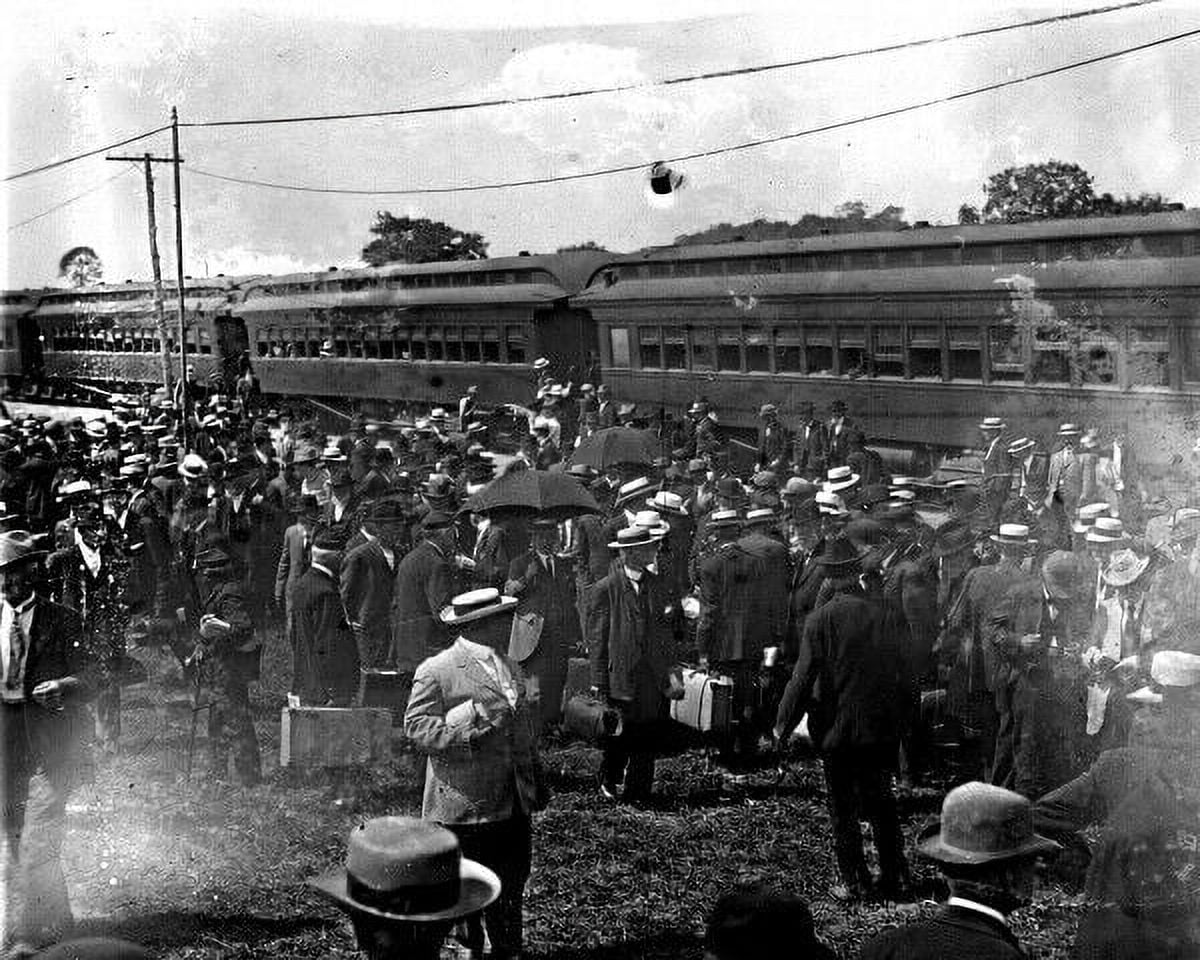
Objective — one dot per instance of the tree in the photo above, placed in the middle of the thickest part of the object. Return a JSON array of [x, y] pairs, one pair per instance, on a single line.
[[81, 267], [968, 214], [1039, 191], [419, 240], [849, 217], [586, 245], [1107, 205]]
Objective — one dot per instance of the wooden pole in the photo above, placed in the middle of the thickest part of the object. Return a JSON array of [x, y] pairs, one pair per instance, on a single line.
[[159, 312], [183, 378]]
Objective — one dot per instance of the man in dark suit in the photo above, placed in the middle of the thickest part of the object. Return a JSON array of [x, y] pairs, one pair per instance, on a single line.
[[774, 443], [810, 442], [837, 435], [542, 580], [368, 580], [606, 409], [325, 671], [631, 629], [988, 852], [46, 677], [424, 586], [852, 682]]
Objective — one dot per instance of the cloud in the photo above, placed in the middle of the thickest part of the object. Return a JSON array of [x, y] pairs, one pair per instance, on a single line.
[[239, 261]]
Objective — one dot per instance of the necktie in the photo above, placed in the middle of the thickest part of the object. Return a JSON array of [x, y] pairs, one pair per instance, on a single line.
[[15, 640]]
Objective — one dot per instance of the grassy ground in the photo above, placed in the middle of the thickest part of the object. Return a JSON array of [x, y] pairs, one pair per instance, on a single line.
[[202, 871]]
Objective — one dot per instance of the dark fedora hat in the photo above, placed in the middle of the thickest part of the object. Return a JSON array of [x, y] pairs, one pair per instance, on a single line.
[[19, 546], [408, 870], [388, 510], [982, 823], [953, 538], [840, 555]]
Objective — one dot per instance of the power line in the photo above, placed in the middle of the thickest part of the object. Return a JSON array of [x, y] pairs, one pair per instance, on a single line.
[[700, 154], [70, 200], [80, 156], [712, 75]]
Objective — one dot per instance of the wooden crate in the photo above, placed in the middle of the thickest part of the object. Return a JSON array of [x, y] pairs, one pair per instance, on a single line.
[[334, 736]]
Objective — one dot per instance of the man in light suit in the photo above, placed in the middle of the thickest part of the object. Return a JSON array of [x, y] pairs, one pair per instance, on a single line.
[[1064, 483], [471, 713]]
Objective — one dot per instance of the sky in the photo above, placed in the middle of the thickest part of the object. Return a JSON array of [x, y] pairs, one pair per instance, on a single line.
[[77, 76]]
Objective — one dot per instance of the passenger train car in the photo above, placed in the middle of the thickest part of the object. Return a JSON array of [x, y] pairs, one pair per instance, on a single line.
[[922, 332]]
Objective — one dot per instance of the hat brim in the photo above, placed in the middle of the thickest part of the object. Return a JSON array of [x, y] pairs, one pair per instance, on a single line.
[[833, 486], [632, 495], [1008, 542], [505, 605], [663, 508], [934, 849], [479, 887], [33, 556], [655, 534]]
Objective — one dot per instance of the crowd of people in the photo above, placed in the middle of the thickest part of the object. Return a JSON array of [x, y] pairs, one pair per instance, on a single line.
[[1039, 621]]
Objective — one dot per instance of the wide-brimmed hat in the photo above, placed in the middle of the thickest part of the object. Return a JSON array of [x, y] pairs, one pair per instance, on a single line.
[[475, 605], [1012, 535], [902, 493], [1107, 530], [193, 466], [1124, 567], [1069, 430], [19, 546], [1086, 516], [636, 536], [666, 501], [840, 478], [992, 423], [651, 520], [830, 504], [760, 516], [840, 556], [96, 429], [541, 363], [1175, 668], [401, 868], [638, 487], [982, 823], [1019, 446]]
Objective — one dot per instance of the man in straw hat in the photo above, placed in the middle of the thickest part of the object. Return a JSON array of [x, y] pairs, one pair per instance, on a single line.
[[978, 692], [47, 676], [631, 636], [404, 885], [851, 680], [987, 851], [1064, 481], [471, 713], [997, 469]]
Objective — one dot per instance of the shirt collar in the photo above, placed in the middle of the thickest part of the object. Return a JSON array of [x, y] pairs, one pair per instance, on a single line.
[[966, 904], [324, 569], [24, 606], [635, 576]]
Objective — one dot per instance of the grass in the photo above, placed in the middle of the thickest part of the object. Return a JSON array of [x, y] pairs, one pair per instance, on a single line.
[[200, 871]]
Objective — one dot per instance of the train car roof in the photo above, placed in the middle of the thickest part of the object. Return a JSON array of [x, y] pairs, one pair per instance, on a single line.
[[1094, 274], [571, 270], [18, 303], [401, 299], [145, 288], [952, 235]]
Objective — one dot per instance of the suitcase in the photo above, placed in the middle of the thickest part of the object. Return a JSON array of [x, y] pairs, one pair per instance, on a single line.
[[589, 718], [707, 702], [579, 679], [334, 736], [388, 689]]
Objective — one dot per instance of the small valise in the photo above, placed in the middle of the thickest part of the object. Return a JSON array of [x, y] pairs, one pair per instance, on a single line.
[[707, 702]]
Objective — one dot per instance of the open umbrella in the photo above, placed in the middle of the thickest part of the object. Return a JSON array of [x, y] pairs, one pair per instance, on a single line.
[[616, 445], [554, 495]]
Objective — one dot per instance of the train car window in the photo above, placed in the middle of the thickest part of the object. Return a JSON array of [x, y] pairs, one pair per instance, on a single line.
[[515, 343], [758, 350], [1149, 355], [771, 265], [1051, 354], [710, 268], [423, 281], [313, 341], [852, 350], [862, 260], [649, 348], [478, 279], [887, 358], [618, 338], [205, 341], [966, 354], [491, 345], [470, 345], [1006, 353], [981, 254], [798, 263], [437, 344], [387, 345], [371, 343], [1098, 358], [454, 347], [416, 344], [827, 261], [818, 350], [925, 351], [729, 351], [939, 256], [703, 357], [674, 349], [687, 268], [1165, 244], [1018, 252], [441, 280], [660, 271], [1191, 352]]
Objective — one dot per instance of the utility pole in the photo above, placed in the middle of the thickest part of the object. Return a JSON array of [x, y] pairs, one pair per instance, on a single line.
[[183, 390], [159, 314]]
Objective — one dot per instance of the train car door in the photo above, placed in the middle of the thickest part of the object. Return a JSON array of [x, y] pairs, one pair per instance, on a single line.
[[567, 338], [233, 346]]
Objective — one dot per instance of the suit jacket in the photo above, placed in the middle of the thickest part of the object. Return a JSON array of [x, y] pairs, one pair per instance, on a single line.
[[1032, 479], [606, 415], [837, 442], [810, 448], [1064, 478], [326, 656], [554, 598], [476, 772], [774, 443], [293, 562], [424, 587], [850, 652], [953, 932], [743, 599], [366, 586], [491, 557]]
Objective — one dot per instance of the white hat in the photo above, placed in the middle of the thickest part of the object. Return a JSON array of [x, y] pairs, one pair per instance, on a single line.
[[993, 423], [1086, 516], [830, 504], [634, 488], [666, 501], [541, 363], [1174, 668], [1020, 445], [193, 466], [760, 515], [1107, 530], [651, 521], [1013, 534], [475, 605], [840, 478], [1069, 430], [635, 536]]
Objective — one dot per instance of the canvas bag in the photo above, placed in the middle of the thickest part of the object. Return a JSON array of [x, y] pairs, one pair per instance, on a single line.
[[525, 636]]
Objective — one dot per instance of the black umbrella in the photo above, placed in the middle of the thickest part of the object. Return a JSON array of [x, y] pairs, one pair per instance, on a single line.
[[554, 495], [616, 445]]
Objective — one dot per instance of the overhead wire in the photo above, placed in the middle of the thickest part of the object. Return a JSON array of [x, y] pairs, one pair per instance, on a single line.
[[70, 200], [672, 81], [715, 151], [81, 156]]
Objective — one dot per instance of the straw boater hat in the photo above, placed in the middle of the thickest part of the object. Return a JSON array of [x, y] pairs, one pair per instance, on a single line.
[[720, 519], [475, 605], [1086, 516], [541, 363], [408, 870], [1069, 430], [992, 423], [193, 467], [831, 504], [1107, 531], [19, 546], [767, 409], [651, 521], [1020, 446], [634, 488], [840, 478], [908, 496], [1012, 535], [667, 502], [635, 537], [1124, 566], [760, 516], [982, 823]]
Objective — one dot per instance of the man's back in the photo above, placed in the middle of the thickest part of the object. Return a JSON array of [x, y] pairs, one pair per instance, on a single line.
[[953, 932]]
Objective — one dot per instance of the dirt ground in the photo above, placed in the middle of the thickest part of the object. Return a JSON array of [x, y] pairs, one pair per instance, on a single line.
[[202, 870]]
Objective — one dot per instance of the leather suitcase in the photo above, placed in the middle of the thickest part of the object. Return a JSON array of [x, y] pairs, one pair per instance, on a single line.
[[334, 737], [388, 689], [707, 702], [589, 718]]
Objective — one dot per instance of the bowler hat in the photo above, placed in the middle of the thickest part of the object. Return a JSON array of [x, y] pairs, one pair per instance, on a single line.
[[982, 823], [436, 520], [18, 546], [401, 868], [840, 555], [475, 605]]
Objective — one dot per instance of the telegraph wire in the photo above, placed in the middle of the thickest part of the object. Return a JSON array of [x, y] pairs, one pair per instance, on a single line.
[[70, 200], [80, 156], [716, 151], [672, 81]]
